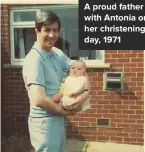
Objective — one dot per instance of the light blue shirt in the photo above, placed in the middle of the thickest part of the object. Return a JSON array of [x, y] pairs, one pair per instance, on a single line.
[[46, 69]]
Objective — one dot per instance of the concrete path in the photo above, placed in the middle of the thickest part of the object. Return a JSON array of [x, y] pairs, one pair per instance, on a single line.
[[85, 146]]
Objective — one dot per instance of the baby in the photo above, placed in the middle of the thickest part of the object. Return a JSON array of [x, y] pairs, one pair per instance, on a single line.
[[73, 85]]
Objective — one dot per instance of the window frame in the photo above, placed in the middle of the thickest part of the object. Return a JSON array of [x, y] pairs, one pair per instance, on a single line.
[[90, 63], [13, 25]]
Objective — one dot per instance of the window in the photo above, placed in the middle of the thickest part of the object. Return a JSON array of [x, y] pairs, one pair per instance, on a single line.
[[22, 21], [22, 34]]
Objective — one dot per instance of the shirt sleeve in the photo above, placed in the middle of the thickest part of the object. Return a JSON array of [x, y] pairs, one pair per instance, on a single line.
[[66, 62], [61, 89], [35, 73], [86, 83]]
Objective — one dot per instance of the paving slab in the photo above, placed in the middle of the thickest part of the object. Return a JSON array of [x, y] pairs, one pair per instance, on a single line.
[[74, 145]]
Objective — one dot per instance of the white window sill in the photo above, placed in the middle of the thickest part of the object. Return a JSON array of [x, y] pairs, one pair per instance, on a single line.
[[96, 64], [90, 64]]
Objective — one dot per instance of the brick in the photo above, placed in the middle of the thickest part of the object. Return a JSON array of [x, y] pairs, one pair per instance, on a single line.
[[135, 116], [115, 102], [123, 60], [128, 111], [127, 55], [121, 97], [140, 65], [91, 110], [103, 102], [116, 55], [140, 121], [121, 107], [123, 125], [78, 119], [137, 60], [107, 55], [128, 102], [136, 107], [108, 115], [116, 120], [134, 84], [131, 65], [140, 74], [102, 111], [109, 98], [111, 60], [102, 138], [140, 140], [138, 51], [115, 111], [93, 97], [122, 116], [139, 112], [137, 69], [140, 131], [136, 135], [96, 106], [109, 106], [139, 102], [111, 51], [130, 139], [124, 51], [90, 119], [111, 134], [93, 102], [84, 124], [93, 92], [116, 65], [116, 138], [130, 74], [127, 70], [123, 134], [129, 121]]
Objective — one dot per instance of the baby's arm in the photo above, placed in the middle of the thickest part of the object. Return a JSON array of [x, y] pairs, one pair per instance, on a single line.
[[86, 90], [75, 93]]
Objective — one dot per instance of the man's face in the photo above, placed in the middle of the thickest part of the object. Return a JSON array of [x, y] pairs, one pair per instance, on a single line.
[[48, 36]]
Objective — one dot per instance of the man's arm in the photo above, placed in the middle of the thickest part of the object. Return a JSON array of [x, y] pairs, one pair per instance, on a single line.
[[56, 97], [39, 99]]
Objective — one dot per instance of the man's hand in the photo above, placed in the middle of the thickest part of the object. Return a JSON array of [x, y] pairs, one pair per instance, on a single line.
[[74, 107], [65, 112]]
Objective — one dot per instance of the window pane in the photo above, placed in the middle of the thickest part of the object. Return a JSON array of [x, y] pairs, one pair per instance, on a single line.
[[68, 40], [24, 16], [24, 38]]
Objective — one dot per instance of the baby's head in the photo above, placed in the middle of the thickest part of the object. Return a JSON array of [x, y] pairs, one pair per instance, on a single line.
[[78, 68]]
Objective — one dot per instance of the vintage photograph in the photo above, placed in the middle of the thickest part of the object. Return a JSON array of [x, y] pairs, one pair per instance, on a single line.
[[58, 98]]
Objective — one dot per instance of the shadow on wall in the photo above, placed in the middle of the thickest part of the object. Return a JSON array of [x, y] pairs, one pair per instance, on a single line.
[[127, 93]]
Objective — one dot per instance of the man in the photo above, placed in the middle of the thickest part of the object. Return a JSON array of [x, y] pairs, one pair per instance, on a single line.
[[44, 67]]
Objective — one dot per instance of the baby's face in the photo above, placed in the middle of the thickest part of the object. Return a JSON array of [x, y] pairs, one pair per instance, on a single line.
[[77, 69]]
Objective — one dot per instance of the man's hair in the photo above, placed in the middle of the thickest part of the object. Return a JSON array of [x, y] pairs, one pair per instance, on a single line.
[[46, 18]]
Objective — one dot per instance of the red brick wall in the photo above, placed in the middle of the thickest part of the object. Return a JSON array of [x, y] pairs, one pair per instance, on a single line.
[[124, 108]]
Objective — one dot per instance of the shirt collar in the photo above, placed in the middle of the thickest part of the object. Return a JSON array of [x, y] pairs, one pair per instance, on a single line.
[[42, 52]]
